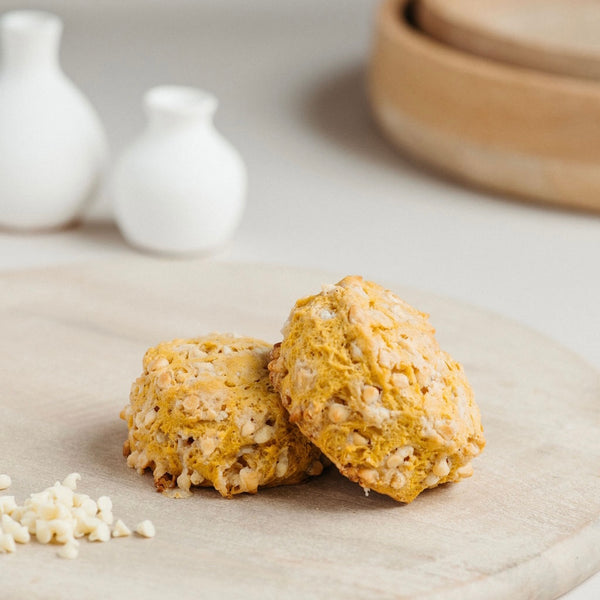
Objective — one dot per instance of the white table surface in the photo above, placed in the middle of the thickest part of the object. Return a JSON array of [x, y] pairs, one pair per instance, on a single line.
[[325, 190]]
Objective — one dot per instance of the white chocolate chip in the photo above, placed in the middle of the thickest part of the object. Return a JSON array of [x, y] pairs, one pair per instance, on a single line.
[[120, 529], [441, 468], [14, 528], [43, 533], [69, 551], [164, 380], [356, 315], [248, 480], [149, 418], [338, 412], [104, 504], [5, 481], [282, 464], [70, 481], [394, 461], [101, 533], [388, 358], [7, 505], [465, 470], [370, 394], [183, 481], [106, 516], [400, 381], [398, 481], [7, 543], [145, 529], [196, 478], [431, 480], [264, 434], [304, 377], [368, 476], [208, 446], [359, 440], [355, 352], [90, 507], [62, 529], [399, 456], [60, 515], [248, 428], [159, 364]]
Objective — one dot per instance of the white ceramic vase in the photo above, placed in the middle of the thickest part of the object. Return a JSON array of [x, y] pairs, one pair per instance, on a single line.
[[52, 145], [180, 187]]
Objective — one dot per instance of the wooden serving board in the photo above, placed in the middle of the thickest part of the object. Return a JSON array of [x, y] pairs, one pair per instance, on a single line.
[[557, 36], [525, 525]]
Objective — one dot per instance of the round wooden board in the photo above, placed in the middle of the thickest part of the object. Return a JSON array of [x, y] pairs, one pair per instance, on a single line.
[[557, 36], [525, 525]]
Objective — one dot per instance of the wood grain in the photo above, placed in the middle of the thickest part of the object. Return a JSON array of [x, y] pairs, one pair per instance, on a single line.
[[517, 131], [525, 525], [556, 36]]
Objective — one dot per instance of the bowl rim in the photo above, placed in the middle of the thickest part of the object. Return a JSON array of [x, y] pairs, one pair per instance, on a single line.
[[400, 31]]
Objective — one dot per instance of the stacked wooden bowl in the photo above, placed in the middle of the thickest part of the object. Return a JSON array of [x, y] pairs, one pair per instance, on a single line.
[[503, 94]]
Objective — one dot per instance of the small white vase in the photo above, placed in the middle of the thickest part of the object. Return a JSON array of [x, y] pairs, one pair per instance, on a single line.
[[180, 187], [52, 145]]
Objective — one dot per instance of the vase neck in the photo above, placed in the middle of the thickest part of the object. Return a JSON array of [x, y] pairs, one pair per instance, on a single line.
[[30, 40], [171, 107]]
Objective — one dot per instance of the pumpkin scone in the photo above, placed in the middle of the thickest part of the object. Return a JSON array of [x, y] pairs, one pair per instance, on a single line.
[[203, 413], [363, 377]]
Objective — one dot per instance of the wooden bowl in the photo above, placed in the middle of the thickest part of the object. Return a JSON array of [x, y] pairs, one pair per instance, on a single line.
[[511, 129], [557, 36]]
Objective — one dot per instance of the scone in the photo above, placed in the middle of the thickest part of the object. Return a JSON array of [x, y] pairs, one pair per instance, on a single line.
[[363, 377], [203, 413]]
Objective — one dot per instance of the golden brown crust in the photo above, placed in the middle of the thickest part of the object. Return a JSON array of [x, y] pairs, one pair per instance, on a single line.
[[362, 375], [203, 413]]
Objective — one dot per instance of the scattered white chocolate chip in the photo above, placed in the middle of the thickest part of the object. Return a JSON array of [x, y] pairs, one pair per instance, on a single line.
[[5, 481], [7, 505], [7, 543], [69, 550], [101, 533], [42, 531], [120, 529], [58, 514], [106, 516], [146, 529], [105, 509], [14, 528], [70, 481], [90, 507]]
